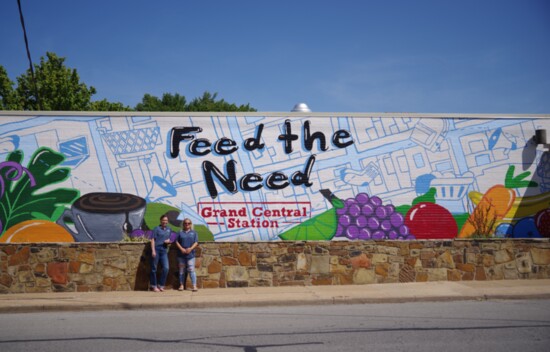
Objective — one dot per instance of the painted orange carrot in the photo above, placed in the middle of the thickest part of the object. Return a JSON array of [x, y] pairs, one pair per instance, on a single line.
[[496, 202], [494, 205]]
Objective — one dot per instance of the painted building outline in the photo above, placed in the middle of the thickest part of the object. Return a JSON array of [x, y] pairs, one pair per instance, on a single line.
[[394, 157]]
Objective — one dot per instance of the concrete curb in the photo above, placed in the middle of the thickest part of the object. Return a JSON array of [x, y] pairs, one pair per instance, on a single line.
[[278, 296]]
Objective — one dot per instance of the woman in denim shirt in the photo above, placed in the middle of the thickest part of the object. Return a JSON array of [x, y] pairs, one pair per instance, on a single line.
[[187, 241], [159, 247]]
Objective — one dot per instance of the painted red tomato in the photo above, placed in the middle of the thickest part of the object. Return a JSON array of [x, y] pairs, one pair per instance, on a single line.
[[428, 221]]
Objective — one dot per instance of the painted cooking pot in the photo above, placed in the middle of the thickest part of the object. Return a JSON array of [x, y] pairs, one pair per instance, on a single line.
[[103, 217]]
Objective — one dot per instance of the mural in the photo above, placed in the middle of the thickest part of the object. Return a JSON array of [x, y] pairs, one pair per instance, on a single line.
[[272, 177]]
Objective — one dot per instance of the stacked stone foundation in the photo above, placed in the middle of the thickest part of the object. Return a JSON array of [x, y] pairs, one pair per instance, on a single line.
[[82, 267]]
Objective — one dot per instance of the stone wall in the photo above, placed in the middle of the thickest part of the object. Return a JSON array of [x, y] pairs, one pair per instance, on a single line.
[[125, 266]]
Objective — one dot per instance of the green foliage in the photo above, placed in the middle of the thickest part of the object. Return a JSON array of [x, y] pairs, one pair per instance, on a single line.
[[176, 102], [22, 199], [105, 105], [8, 96], [58, 87], [208, 102], [168, 102]]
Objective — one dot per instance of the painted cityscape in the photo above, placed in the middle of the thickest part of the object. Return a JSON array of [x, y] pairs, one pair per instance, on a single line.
[[272, 177]]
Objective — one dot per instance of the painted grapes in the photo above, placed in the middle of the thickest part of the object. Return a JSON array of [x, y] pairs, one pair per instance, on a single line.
[[366, 218]]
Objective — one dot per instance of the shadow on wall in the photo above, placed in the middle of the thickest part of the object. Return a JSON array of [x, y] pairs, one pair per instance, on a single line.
[[144, 269], [535, 153], [520, 207]]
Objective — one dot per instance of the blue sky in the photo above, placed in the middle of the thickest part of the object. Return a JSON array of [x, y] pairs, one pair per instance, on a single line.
[[424, 56]]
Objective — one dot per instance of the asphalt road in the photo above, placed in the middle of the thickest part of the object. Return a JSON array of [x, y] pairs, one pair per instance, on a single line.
[[520, 325]]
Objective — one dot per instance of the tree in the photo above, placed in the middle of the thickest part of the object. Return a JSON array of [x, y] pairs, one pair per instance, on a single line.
[[208, 103], [168, 102], [177, 102], [105, 105], [8, 96], [58, 87]]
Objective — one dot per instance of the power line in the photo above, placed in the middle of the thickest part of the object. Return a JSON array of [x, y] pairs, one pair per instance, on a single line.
[[28, 53]]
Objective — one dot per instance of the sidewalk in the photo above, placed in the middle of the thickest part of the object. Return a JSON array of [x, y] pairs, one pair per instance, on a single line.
[[277, 296]]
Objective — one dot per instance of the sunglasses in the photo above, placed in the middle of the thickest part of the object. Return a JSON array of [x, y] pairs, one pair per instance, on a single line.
[[187, 223]]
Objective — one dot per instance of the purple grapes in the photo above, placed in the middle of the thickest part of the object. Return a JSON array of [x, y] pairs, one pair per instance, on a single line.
[[403, 230], [393, 235], [352, 232], [344, 220], [367, 210], [385, 225], [376, 201], [396, 220], [350, 201], [364, 234], [361, 221], [138, 233], [373, 223], [354, 210], [342, 211], [367, 218], [339, 231], [381, 212], [362, 198]]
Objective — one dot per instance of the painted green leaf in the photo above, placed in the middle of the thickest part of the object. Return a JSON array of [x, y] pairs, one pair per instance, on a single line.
[[331, 197], [155, 210], [428, 197], [337, 203], [204, 233], [511, 181], [403, 209], [461, 219], [24, 198], [319, 228]]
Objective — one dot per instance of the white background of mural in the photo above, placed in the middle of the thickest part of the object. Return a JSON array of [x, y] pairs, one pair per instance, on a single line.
[[395, 158]]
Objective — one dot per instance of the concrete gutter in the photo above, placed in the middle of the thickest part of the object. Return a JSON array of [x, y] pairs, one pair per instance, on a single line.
[[277, 296]]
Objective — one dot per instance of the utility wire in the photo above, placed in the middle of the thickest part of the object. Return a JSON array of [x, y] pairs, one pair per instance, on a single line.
[[29, 54]]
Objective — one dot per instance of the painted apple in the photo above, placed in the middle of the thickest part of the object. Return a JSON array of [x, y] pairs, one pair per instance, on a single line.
[[430, 221]]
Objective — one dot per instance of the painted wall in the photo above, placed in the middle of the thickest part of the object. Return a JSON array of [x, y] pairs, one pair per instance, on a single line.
[[267, 177]]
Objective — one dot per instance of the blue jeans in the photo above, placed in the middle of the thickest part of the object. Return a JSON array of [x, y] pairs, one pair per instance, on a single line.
[[187, 266], [162, 256]]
